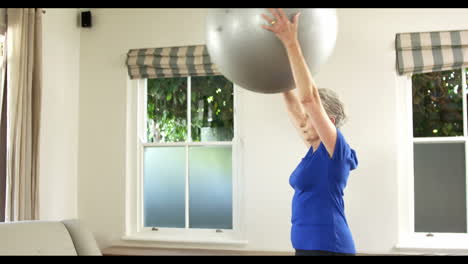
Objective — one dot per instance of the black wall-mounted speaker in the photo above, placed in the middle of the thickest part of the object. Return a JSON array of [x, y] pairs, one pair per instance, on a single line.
[[86, 19]]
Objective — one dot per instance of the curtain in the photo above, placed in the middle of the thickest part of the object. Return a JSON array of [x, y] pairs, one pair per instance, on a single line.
[[3, 26], [3, 116], [3, 22], [3, 137], [431, 51], [24, 73], [170, 62]]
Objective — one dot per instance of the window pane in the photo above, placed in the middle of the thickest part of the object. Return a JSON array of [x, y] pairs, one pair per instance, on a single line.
[[440, 188], [210, 187], [437, 104], [212, 109], [164, 187], [167, 110]]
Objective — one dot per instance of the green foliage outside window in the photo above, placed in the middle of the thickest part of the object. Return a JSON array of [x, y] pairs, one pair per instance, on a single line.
[[438, 104], [211, 109], [167, 109]]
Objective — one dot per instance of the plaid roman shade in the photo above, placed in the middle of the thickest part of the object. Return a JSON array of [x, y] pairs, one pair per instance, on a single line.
[[170, 62], [431, 51]]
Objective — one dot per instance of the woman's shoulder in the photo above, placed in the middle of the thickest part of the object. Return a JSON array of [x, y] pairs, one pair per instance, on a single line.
[[342, 147], [344, 152]]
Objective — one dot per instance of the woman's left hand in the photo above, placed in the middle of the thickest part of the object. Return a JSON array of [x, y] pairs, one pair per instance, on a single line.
[[284, 29]]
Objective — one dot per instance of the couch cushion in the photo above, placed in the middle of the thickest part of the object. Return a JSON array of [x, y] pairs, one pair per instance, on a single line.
[[35, 238], [85, 244]]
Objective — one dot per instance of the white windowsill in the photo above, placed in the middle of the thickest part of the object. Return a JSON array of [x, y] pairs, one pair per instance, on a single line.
[[169, 239], [434, 247]]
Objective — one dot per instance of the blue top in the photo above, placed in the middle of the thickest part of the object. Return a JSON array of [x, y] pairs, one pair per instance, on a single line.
[[318, 215]]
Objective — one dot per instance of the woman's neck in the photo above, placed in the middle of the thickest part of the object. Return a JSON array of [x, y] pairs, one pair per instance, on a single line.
[[315, 144]]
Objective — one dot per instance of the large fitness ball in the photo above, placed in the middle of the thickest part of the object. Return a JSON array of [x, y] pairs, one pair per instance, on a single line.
[[254, 58]]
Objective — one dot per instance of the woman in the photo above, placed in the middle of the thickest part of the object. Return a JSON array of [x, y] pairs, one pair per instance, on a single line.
[[319, 225]]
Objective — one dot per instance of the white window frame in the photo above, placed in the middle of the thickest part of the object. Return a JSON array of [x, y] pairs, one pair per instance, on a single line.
[[408, 239], [136, 134]]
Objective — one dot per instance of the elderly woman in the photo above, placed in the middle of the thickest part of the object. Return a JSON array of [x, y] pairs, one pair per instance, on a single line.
[[319, 225]]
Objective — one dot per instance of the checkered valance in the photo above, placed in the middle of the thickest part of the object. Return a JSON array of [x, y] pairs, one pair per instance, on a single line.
[[170, 62], [431, 51]]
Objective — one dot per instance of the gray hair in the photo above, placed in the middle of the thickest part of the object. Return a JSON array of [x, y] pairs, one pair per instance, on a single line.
[[333, 106]]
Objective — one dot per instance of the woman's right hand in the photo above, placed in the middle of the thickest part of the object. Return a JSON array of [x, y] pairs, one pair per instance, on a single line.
[[284, 29]]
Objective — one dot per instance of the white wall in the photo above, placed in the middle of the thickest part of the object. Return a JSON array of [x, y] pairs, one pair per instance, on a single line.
[[362, 71], [59, 131], [103, 80]]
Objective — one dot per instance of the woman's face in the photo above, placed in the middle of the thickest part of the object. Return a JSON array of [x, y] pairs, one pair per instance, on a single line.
[[311, 134]]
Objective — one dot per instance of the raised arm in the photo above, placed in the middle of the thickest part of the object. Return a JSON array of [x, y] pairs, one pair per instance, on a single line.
[[308, 94], [294, 108], [296, 114]]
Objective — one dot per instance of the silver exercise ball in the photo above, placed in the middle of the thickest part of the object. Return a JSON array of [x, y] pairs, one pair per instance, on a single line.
[[254, 58]]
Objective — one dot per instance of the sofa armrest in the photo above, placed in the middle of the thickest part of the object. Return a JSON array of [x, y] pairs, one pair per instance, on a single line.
[[82, 238]]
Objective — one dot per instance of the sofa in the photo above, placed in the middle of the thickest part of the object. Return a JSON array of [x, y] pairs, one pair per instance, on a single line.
[[68, 238]]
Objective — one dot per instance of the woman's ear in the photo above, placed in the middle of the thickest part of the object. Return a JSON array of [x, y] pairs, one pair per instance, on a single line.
[[333, 119]]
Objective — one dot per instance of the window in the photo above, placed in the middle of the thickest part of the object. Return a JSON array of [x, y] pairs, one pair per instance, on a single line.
[[437, 193], [187, 147], [439, 130]]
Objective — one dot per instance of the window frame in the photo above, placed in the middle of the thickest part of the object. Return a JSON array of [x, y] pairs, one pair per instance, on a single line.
[[408, 239], [136, 135]]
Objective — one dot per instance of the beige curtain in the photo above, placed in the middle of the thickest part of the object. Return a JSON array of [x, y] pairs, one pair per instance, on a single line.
[[24, 71], [2, 116], [3, 21]]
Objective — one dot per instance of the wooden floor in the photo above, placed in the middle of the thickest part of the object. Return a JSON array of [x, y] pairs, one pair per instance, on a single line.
[[134, 251], [142, 251]]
